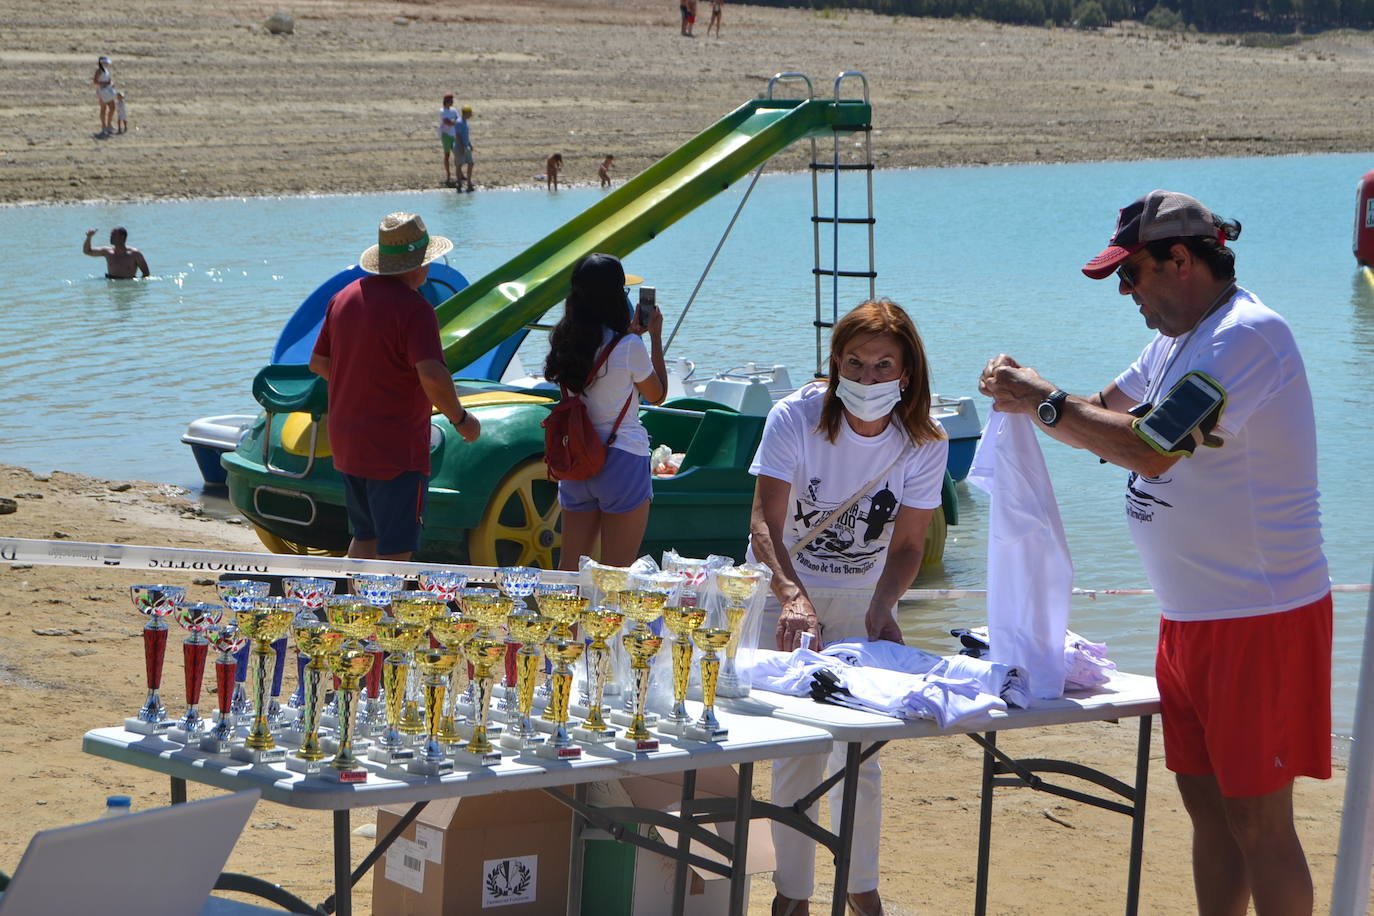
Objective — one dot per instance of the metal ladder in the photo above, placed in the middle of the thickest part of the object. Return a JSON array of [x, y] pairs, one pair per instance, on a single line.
[[833, 271]]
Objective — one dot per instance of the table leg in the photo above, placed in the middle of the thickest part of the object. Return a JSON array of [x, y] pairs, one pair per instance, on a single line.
[[849, 793], [178, 790], [1142, 778], [576, 851], [980, 900], [739, 859], [684, 844], [343, 864]]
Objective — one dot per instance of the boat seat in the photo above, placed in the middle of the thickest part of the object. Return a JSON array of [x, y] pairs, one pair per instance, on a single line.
[[724, 439], [287, 388]]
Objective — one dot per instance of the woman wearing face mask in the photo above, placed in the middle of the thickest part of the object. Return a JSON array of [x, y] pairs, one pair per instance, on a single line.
[[849, 471]]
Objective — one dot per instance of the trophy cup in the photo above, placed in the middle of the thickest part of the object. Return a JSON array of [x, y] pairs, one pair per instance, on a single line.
[[264, 623], [195, 619], [421, 608], [356, 618], [445, 582], [314, 640], [484, 650], [400, 639], [436, 665], [489, 608], [275, 719], [599, 623], [375, 588], [350, 661], [239, 595], [642, 646], [693, 574], [528, 632], [737, 586], [564, 653], [227, 639], [642, 606], [155, 602], [681, 621], [312, 593], [561, 604], [453, 632], [517, 582], [710, 640]]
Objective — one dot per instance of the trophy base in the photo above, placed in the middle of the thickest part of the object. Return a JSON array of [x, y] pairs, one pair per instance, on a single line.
[[348, 777], [466, 757], [706, 735], [140, 727], [307, 767], [621, 717], [390, 756], [257, 756], [494, 730], [182, 736], [425, 767], [516, 742], [545, 725], [330, 744], [369, 729], [733, 691], [550, 752], [636, 744], [213, 745], [667, 726], [593, 735], [582, 710], [290, 738]]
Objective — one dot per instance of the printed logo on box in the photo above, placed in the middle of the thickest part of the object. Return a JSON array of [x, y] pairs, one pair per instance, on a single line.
[[509, 881]]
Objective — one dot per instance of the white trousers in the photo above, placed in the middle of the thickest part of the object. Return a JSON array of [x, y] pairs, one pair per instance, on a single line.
[[841, 612]]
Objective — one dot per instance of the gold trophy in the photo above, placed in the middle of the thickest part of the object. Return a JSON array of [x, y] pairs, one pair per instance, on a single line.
[[400, 639], [315, 639], [435, 667], [484, 650], [564, 653], [737, 585], [599, 623], [681, 621], [239, 595], [351, 662], [418, 607], [642, 645], [196, 619], [265, 622], [453, 632], [527, 632], [155, 602], [228, 639], [607, 579], [312, 592], [356, 618], [561, 604], [643, 606], [710, 640], [489, 608]]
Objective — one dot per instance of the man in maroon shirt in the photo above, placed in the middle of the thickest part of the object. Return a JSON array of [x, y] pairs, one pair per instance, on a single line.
[[379, 350]]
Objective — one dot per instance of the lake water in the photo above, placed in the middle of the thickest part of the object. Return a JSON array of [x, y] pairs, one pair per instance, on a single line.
[[102, 378]]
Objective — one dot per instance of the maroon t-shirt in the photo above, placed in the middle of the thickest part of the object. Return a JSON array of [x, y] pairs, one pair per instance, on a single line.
[[375, 331]]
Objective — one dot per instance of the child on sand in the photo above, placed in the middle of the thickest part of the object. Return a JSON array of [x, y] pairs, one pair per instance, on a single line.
[[717, 6], [604, 172], [551, 170], [121, 115]]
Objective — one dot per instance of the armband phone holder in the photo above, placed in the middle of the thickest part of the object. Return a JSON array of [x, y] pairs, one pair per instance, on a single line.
[[1185, 418]]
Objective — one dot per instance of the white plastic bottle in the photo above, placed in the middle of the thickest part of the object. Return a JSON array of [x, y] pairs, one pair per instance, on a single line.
[[117, 805]]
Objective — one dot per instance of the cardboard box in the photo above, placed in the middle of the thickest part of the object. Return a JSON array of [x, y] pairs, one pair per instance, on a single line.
[[624, 880], [507, 853]]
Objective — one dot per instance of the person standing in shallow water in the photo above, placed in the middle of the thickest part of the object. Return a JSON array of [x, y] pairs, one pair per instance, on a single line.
[[121, 261]]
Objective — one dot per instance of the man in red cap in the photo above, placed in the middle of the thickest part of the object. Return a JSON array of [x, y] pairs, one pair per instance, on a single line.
[[1214, 421]]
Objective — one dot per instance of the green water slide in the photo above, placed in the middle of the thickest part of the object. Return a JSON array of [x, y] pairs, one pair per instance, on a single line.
[[498, 305]]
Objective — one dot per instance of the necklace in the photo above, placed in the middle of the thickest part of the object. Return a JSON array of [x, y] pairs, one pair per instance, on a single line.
[[1179, 345]]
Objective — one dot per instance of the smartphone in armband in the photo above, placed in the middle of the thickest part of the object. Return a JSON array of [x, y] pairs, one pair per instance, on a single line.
[[1177, 424], [648, 297]]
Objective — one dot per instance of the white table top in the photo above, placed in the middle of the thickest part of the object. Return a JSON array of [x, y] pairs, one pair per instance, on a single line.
[[751, 738], [1124, 696]]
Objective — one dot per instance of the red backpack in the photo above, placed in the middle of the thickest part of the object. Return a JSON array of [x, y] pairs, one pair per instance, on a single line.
[[572, 448]]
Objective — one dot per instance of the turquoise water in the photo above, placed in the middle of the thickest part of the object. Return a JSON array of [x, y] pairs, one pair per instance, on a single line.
[[103, 377]]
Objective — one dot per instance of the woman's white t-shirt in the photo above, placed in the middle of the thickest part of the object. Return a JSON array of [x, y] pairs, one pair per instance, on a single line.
[[851, 553], [627, 364]]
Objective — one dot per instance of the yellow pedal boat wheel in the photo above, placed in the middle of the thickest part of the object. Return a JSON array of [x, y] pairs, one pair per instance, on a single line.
[[281, 545], [520, 525]]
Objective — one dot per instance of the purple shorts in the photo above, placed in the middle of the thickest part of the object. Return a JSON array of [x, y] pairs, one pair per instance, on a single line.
[[622, 485]]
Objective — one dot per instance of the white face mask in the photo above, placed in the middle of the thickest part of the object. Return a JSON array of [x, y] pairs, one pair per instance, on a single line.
[[869, 402]]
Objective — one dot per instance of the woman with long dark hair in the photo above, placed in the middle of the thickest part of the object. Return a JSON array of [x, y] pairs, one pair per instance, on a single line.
[[595, 351]]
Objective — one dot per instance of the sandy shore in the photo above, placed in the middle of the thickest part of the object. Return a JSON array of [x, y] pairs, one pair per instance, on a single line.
[[71, 660], [349, 102]]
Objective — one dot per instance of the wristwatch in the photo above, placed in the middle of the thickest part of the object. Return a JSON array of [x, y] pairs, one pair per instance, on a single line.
[[1050, 410]]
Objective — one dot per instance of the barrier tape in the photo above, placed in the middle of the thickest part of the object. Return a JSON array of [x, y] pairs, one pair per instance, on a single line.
[[141, 557]]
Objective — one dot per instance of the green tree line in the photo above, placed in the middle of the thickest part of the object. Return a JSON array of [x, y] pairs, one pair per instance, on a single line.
[[1203, 15]]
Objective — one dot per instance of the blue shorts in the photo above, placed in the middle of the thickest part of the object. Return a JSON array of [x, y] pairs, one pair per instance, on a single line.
[[387, 511], [622, 485]]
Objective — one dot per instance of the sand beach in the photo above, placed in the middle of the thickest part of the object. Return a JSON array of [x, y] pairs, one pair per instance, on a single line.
[[348, 103]]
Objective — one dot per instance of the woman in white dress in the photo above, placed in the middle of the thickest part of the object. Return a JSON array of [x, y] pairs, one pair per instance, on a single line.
[[105, 94]]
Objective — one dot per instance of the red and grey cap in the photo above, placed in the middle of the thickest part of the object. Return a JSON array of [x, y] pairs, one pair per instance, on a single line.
[[1158, 215]]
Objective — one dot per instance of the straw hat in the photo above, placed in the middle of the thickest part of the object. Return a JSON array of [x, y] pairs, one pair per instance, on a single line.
[[403, 244]]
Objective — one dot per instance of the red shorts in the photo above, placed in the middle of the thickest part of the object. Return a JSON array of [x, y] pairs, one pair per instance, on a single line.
[[1248, 699]]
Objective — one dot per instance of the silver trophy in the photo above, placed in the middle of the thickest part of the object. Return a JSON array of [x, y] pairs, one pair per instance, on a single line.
[[195, 619], [156, 602]]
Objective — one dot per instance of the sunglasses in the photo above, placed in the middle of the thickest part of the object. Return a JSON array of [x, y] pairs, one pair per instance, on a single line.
[[1126, 273]]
